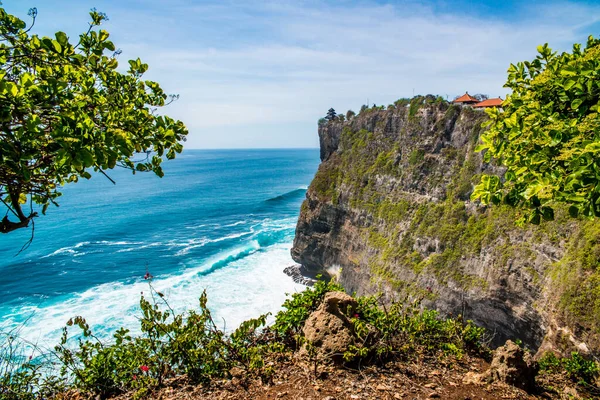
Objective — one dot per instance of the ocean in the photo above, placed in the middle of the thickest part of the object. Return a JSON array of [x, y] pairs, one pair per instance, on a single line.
[[220, 220]]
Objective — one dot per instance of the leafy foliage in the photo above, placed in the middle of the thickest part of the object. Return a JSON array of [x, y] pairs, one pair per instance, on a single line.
[[298, 307], [577, 367], [403, 329], [172, 344], [21, 377], [65, 111], [548, 135]]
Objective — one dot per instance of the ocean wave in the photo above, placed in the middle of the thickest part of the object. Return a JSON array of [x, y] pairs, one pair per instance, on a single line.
[[73, 250], [254, 278], [235, 224]]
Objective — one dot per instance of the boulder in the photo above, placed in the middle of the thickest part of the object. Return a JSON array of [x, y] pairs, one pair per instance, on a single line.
[[328, 328], [511, 365]]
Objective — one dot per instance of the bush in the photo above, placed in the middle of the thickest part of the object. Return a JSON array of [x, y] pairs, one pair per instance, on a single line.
[[404, 330], [289, 322], [576, 367], [190, 344], [170, 344], [350, 114]]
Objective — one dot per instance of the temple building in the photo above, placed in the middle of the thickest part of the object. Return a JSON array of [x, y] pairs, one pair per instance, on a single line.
[[466, 100], [497, 102]]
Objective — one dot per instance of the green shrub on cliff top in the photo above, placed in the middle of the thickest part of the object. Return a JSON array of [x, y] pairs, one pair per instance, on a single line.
[[577, 367], [548, 135], [297, 308], [172, 344]]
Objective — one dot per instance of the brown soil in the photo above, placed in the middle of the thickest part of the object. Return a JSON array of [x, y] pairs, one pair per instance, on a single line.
[[427, 380]]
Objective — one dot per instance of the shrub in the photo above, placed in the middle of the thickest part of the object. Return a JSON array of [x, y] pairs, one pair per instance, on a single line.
[[172, 344], [405, 330], [576, 367], [298, 307], [350, 114]]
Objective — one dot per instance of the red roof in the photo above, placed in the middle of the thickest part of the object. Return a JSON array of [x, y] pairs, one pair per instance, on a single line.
[[466, 98], [497, 102]]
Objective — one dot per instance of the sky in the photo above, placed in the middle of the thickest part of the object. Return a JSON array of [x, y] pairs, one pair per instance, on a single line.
[[259, 74]]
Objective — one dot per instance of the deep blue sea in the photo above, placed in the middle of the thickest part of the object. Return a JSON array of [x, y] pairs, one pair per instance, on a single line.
[[219, 220]]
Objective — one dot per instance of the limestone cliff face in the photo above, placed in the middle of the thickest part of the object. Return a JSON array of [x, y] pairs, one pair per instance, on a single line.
[[389, 213]]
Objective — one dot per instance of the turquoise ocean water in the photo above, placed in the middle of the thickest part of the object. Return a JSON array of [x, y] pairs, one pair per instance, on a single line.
[[219, 220]]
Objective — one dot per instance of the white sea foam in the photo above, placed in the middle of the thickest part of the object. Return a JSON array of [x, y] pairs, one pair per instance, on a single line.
[[235, 224], [74, 250], [246, 286]]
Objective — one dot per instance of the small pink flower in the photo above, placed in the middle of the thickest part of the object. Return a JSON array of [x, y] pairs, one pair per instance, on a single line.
[[356, 316], [144, 368]]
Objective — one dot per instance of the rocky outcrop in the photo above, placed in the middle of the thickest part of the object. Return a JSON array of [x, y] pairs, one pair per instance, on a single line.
[[388, 212], [511, 365], [329, 331]]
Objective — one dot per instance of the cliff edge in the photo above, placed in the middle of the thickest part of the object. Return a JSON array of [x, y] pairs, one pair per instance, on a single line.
[[388, 213]]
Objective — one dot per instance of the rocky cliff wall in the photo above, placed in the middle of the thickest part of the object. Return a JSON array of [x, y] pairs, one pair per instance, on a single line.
[[388, 212]]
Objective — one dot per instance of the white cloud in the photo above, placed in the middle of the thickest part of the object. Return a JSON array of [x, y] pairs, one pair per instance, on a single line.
[[267, 66]]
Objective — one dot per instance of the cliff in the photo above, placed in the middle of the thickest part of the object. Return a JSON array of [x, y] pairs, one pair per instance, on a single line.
[[388, 213]]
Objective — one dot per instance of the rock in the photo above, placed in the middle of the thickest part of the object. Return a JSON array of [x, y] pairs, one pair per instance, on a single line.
[[328, 329], [300, 275], [236, 372], [570, 393], [512, 365], [472, 378]]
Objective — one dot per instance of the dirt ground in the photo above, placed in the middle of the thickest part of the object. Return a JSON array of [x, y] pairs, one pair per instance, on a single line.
[[430, 380]]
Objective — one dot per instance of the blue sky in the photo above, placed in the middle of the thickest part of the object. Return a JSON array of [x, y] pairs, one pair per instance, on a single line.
[[261, 73]]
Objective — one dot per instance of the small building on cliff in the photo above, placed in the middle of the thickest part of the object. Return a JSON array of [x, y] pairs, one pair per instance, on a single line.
[[465, 100], [497, 102]]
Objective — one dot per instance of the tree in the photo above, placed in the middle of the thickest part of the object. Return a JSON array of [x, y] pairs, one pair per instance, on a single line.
[[331, 115], [350, 114], [548, 136], [65, 111]]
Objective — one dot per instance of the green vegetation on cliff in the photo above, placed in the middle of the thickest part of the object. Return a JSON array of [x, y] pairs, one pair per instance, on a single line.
[[387, 178]]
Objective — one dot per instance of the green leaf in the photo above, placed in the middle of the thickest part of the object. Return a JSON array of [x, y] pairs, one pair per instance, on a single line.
[[62, 38], [569, 84]]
